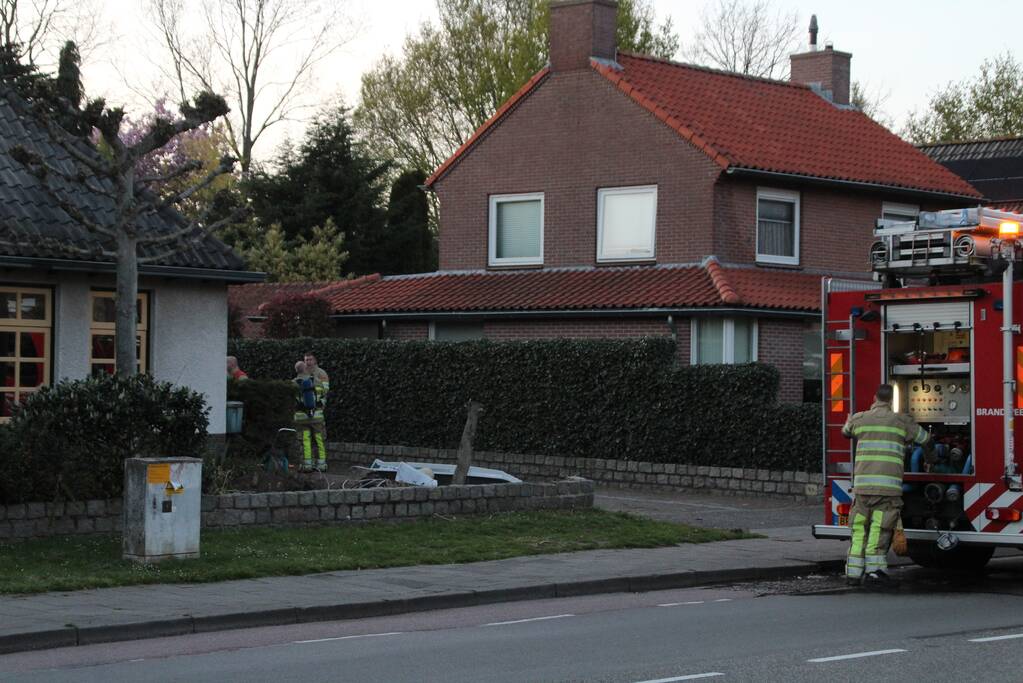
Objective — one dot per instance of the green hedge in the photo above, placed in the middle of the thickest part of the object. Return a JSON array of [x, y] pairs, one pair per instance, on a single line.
[[269, 405], [624, 399], [69, 441]]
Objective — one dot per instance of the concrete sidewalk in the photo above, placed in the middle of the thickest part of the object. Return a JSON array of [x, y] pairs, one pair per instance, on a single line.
[[82, 617]]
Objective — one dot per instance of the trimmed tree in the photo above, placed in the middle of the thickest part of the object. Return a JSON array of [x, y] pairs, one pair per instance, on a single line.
[[114, 177]]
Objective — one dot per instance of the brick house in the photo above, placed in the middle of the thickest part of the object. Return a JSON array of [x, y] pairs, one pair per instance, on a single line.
[[618, 195]]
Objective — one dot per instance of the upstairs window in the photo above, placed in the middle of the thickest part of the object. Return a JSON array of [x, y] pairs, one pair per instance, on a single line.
[[626, 220], [899, 213], [724, 340], [778, 227], [516, 229]]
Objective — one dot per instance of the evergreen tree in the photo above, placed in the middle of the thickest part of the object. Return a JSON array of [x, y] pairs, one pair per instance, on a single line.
[[319, 258], [409, 245], [322, 256], [327, 176]]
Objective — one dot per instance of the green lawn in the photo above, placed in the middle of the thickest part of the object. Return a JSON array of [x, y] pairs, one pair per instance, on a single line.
[[74, 562]]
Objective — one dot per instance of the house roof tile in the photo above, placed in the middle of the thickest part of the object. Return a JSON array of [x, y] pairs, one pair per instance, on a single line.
[[32, 225], [710, 286], [763, 125]]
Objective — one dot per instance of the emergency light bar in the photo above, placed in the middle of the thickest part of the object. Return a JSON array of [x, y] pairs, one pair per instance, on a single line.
[[899, 296]]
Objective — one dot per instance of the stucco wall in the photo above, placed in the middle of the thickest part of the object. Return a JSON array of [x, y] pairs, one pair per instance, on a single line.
[[189, 339], [187, 335]]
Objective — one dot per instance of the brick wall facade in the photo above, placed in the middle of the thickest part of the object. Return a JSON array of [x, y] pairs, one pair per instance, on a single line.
[[827, 68], [733, 481], [780, 343], [585, 135], [408, 330]]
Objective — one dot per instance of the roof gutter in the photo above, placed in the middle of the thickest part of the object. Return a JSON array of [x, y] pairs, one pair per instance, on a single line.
[[859, 184], [580, 313], [106, 267]]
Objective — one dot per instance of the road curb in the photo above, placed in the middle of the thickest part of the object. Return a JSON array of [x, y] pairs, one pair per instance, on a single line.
[[159, 628]]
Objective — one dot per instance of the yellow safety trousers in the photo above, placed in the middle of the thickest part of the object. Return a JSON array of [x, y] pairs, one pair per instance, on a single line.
[[872, 520]]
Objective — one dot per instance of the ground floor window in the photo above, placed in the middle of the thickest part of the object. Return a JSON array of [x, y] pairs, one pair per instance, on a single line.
[[101, 332], [26, 324], [442, 330], [724, 340], [813, 363]]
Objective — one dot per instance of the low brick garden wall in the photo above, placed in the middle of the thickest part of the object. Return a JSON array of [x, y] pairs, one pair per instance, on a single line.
[[307, 508], [800, 486]]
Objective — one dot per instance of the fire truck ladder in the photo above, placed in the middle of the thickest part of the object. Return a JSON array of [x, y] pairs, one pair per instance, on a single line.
[[839, 400]]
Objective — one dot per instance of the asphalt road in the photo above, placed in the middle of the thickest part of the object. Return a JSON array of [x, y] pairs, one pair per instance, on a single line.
[[812, 629]]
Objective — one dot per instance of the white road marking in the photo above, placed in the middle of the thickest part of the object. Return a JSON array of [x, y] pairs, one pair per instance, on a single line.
[[522, 621], [857, 655], [140, 659], [676, 604], [993, 638], [723, 600], [364, 635], [690, 677]]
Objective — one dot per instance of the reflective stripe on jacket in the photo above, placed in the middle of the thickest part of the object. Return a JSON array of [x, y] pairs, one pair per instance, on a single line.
[[881, 436]]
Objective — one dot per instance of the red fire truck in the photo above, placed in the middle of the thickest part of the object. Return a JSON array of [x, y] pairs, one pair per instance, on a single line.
[[939, 324]]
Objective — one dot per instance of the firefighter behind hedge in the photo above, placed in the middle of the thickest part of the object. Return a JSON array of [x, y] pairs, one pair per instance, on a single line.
[[881, 437], [309, 422]]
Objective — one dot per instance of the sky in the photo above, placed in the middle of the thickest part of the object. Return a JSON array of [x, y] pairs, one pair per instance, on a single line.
[[903, 50]]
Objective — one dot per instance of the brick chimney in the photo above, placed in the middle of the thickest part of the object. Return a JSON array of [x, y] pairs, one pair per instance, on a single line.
[[581, 29], [827, 70]]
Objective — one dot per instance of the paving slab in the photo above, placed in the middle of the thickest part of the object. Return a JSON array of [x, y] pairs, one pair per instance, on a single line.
[[110, 614]]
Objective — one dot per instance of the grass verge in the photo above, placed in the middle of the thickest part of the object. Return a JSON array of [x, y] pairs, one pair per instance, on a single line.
[[76, 562]]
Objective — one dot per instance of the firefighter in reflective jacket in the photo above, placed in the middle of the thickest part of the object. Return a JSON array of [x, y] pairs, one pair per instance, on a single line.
[[881, 437], [309, 421]]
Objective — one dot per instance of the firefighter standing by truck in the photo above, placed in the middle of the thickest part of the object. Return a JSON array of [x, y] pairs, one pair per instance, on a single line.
[[312, 384], [881, 437]]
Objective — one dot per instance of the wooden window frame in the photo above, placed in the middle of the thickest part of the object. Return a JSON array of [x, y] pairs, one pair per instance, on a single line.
[[107, 329], [18, 326]]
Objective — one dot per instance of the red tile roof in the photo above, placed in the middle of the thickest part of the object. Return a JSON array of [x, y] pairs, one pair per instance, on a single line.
[[613, 289], [752, 123], [249, 299]]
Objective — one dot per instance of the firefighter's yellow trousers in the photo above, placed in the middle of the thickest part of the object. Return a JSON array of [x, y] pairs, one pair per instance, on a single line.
[[872, 520], [312, 435]]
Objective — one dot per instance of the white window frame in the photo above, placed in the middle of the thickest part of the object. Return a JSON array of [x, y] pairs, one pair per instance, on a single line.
[[496, 199], [728, 341], [902, 209], [635, 189], [780, 196]]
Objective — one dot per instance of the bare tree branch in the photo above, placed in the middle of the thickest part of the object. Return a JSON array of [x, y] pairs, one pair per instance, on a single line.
[[226, 165], [747, 37], [197, 225], [40, 27], [241, 41], [182, 170]]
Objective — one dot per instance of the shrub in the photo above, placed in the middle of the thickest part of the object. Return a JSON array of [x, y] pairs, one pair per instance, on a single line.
[[625, 399], [301, 315], [269, 405], [70, 440]]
